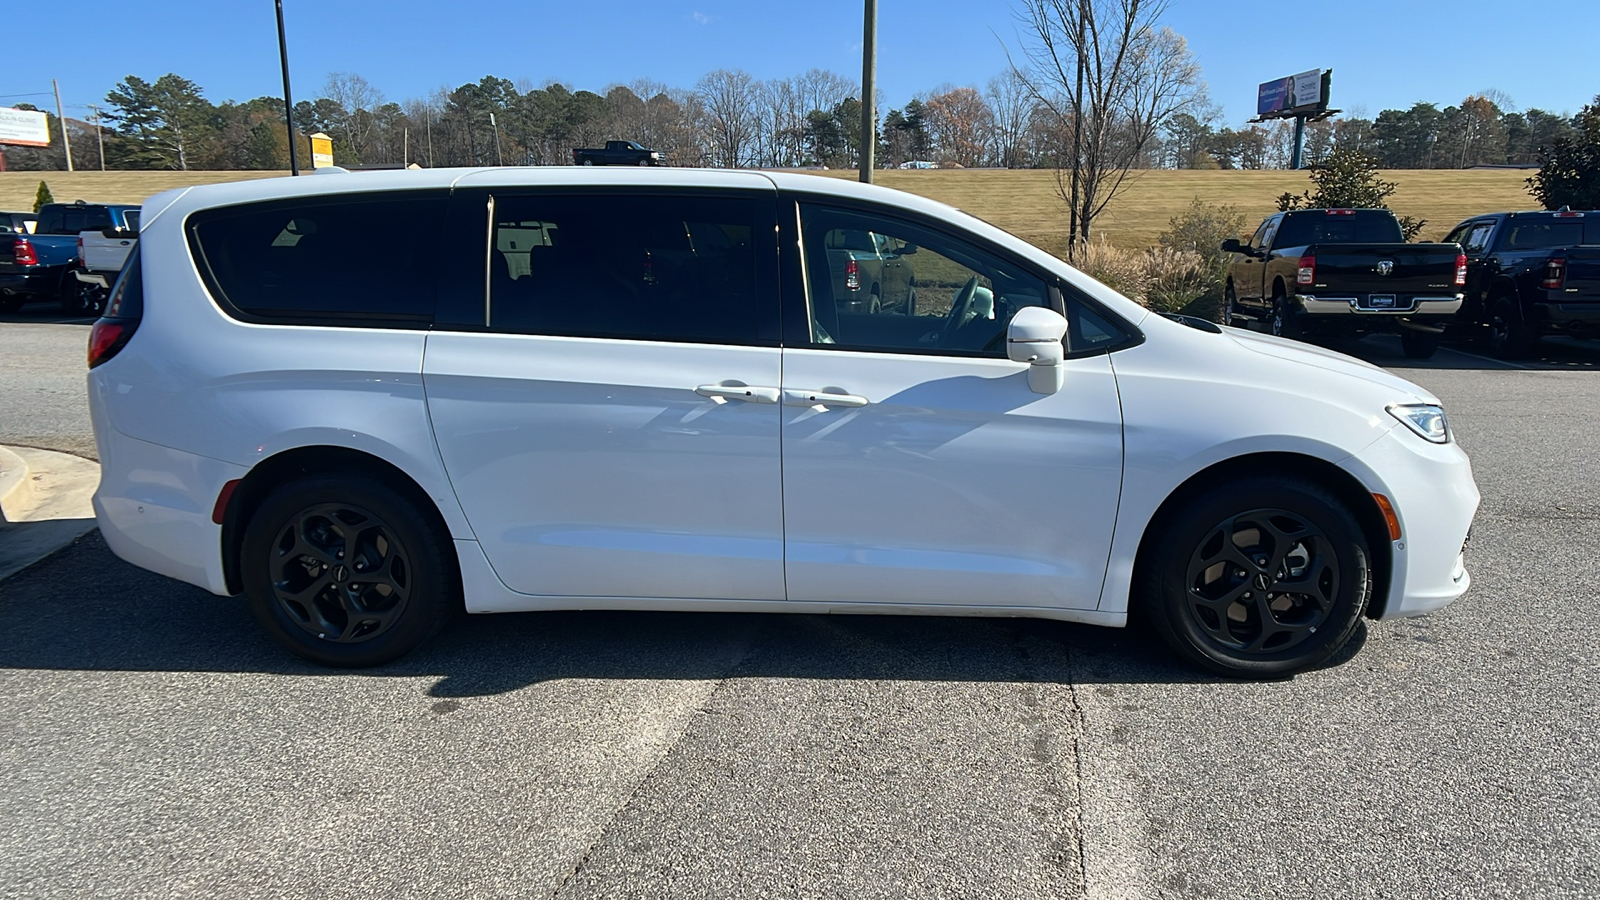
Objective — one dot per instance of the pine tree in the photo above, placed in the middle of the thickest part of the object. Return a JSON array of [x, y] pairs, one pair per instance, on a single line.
[[42, 197]]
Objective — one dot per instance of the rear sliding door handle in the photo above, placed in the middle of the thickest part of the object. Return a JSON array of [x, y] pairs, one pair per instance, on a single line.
[[821, 398], [746, 392]]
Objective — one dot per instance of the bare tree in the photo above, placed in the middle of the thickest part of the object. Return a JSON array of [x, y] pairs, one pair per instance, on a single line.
[[1012, 105], [356, 99], [1111, 77], [958, 122], [729, 98]]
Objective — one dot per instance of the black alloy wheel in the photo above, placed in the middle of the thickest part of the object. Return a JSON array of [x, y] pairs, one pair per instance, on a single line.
[[1282, 323], [1509, 336], [83, 299], [345, 571], [1230, 305], [1260, 578]]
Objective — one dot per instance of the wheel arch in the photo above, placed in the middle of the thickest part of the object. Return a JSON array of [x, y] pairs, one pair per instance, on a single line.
[[294, 463], [1341, 483]]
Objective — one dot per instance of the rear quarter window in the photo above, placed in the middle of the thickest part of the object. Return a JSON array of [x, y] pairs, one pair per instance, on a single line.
[[350, 260]]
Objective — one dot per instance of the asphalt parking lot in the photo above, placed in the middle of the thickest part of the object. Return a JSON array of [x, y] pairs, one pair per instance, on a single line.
[[153, 742]]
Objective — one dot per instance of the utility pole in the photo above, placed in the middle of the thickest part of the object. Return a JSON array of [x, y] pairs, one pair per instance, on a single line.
[[869, 69], [1077, 134], [405, 148], [428, 123], [498, 156], [99, 136], [288, 102], [66, 140]]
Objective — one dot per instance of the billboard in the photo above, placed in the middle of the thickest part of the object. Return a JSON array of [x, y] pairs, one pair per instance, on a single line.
[[1306, 92], [24, 126]]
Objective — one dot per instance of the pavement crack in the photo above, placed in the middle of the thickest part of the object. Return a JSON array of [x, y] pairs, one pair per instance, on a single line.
[[662, 756], [1080, 724]]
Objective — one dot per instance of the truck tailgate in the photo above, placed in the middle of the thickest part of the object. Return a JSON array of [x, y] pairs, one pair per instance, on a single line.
[[1410, 269], [1582, 284]]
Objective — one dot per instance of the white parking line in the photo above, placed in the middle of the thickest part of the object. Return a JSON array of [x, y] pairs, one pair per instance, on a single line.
[[1489, 359]]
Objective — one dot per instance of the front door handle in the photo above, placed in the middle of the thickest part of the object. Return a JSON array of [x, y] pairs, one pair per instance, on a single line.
[[747, 392], [821, 398]]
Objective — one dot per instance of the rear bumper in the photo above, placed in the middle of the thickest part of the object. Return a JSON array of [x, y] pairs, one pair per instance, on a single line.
[[94, 278], [1566, 316], [40, 281], [1359, 305], [154, 504]]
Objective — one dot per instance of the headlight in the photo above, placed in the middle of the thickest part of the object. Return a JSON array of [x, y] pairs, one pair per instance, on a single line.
[[1426, 420]]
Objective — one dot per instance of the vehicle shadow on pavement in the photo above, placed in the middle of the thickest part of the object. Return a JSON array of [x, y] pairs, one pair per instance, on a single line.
[[83, 609]]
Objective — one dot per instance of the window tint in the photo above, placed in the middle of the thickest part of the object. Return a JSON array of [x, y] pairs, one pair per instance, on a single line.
[[1359, 227], [635, 267], [52, 220], [364, 260], [126, 300], [131, 217], [1537, 234], [883, 284]]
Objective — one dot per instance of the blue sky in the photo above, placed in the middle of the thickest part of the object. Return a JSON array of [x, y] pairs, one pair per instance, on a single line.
[[1384, 53]]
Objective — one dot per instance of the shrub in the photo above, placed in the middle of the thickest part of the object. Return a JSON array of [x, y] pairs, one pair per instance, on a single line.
[[1162, 279], [1569, 171], [42, 197], [1348, 179]]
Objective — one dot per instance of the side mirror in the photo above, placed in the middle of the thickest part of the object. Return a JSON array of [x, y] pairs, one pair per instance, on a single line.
[[907, 249], [1232, 245], [1034, 337]]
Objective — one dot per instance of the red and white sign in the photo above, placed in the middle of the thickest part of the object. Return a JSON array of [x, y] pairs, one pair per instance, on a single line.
[[24, 126]]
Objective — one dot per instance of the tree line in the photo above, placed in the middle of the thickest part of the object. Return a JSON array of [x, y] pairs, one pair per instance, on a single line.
[[731, 119]]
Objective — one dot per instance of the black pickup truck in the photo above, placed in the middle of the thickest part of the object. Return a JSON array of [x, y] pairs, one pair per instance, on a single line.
[[1344, 272], [617, 153], [1530, 274]]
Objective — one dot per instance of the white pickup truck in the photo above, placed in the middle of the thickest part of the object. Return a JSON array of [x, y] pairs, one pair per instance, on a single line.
[[100, 257]]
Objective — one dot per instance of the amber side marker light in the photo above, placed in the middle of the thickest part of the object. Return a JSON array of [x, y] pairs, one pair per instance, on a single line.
[[1389, 517]]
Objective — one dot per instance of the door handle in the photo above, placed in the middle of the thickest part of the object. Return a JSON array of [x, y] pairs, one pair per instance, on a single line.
[[821, 398], [747, 392]]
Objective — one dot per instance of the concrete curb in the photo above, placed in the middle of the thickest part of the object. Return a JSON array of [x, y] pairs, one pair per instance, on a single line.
[[46, 500], [16, 488]]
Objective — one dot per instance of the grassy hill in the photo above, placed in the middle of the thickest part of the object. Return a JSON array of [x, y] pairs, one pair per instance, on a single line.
[[1021, 201]]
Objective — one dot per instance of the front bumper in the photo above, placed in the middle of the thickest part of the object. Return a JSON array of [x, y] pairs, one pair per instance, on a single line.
[[1435, 497]]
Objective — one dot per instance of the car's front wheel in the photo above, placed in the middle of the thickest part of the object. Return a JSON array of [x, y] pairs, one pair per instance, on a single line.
[[1257, 578], [345, 571], [1419, 344]]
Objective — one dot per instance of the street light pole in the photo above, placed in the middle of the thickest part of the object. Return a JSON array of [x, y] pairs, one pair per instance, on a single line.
[[869, 69], [288, 102], [66, 139]]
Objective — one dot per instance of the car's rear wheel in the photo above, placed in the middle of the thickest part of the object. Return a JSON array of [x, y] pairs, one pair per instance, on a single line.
[[80, 298], [1419, 344], [1258, 578], [345, 571], [1509, 336]]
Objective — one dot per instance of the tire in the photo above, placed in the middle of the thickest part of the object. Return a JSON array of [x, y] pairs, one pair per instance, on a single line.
[[1230, 305], [874, 305], [911, 301], [1509, 336], [588, 162], [1282, 322], [1284, 532], [296, 540], [80, 298], [1419, 344], [644, 162]]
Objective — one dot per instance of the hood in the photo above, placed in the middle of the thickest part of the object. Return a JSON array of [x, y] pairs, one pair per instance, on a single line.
[[1328, 360]]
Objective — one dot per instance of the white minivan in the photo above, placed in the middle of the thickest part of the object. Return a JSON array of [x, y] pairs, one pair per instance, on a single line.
[[634, 389]]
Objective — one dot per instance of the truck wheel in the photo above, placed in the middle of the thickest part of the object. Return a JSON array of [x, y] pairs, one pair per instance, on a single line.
[[1509, 336], [1230, 306], [1283, 323], [588, 162], [1419, 344], [80, 298], [644, 162]]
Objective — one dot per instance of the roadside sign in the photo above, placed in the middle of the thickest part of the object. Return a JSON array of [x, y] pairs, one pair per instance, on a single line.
[[24, 127], [321, 151]]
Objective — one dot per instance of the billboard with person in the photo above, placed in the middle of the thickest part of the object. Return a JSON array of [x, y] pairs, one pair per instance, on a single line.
[[1302, 94]]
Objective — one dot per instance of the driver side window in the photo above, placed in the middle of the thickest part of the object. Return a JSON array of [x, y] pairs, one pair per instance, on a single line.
[[882, 284]]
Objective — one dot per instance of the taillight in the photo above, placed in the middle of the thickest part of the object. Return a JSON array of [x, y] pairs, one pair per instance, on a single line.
[[23, 251], [1555, 274], [80, 249], [1308, 271], [1341, 212], [1461, 270], [107, 337], [852, 275]]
